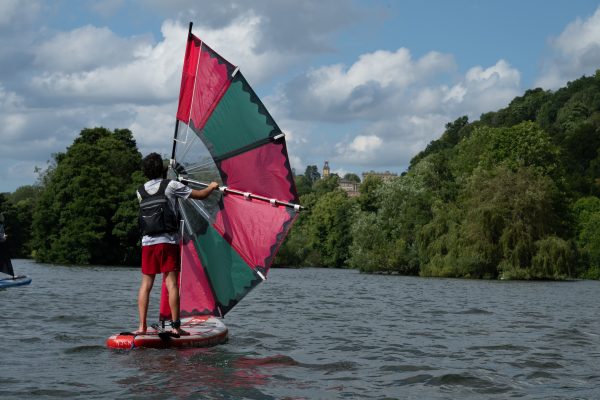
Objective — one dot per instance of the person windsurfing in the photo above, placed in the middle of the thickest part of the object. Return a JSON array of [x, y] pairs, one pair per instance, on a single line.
[[159, 225], [5, 263]]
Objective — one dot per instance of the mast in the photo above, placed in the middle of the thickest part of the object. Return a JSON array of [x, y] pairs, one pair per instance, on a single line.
[[176, 120]]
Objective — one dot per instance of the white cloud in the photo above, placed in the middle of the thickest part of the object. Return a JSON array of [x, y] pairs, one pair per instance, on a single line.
[[375, 85], [576, 52], [106, 8], [365, 144], [87, 48], [95, 65], [240, 43], [8, 9], [391, 142], [14, 173], [483, 90], [144, 73], [153, 127], [286, 27], [9, 100], [12, 125], [405, 102], [579, 36], [384, 84], [17, 10], [360, 150], [297, 164], [377, 111]]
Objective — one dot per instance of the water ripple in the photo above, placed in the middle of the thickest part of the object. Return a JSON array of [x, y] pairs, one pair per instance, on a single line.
[[309, 334]]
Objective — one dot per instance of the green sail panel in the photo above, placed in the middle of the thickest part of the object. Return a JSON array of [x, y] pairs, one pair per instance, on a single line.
[[229, 275], [239, 123]]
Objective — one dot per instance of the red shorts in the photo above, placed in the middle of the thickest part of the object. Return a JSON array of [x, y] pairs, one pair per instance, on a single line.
[[162, 257]]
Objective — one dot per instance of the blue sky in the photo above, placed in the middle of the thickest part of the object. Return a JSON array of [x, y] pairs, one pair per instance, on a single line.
[[362, 84]]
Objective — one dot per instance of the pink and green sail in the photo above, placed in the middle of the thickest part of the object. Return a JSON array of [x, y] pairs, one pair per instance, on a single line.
[[225, 134]]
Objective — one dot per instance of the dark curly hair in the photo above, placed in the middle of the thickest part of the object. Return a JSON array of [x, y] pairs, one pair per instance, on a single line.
[[152, 165]]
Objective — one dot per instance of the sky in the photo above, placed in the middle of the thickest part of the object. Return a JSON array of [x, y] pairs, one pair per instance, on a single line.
[[365, 85]]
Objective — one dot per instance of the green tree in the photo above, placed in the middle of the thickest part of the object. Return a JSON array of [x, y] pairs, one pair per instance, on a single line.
[[312, 174], [19, 208], [372, 250], [125, 222], [501, 225], [438, 241], [329, 228], [352, 177], [555, 259], [368, 199], [507, 212], [326, 185], [491, 198], [296, 250], [76, 218], [520, 109], [586, 212], [522, 145], [580, 148], [453, 134], [403, 206], [303, 185]]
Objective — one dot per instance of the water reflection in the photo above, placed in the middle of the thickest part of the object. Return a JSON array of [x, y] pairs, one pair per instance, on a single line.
[[210, 372]]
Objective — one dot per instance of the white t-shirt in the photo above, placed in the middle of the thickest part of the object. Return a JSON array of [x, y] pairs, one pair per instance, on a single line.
[[173, 191]]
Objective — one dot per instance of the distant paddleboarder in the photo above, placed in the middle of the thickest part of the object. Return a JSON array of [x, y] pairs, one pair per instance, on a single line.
[[5, 263]]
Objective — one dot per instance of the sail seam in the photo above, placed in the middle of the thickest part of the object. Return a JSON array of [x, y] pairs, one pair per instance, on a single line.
[[242, 150]]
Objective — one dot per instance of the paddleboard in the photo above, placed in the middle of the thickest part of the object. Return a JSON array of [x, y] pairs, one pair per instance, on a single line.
[[16, 281], [204, 331]]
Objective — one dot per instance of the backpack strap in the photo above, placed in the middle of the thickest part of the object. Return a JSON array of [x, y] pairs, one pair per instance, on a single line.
[[142, 191], [161, 189], [163, 186]]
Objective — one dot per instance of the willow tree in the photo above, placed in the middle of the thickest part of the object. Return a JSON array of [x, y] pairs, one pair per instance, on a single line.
[[510, 218]]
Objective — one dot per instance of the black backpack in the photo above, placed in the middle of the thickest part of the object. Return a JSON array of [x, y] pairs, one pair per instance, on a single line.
[[156, 216]]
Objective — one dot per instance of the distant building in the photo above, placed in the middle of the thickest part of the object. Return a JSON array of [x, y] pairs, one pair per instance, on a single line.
[[326, 170], [385, 176], [350, 187]]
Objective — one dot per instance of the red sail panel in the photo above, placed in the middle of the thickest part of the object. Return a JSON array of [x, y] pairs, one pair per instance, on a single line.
[[254, 228], [264, 171], [164, 312], [205, 78], [196, 295], [188, 77]]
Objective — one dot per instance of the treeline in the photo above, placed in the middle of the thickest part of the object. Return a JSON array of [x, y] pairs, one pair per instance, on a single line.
[[511, 196], [514, 195], [83, 209]]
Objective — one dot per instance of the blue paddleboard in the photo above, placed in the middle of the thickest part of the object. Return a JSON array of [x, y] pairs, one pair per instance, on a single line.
[[16, 281]]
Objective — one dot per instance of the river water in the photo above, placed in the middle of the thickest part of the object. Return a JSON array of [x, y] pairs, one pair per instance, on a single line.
[[308, 334]]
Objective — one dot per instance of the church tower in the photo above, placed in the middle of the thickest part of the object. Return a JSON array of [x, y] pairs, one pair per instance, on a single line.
[[326, 169]]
